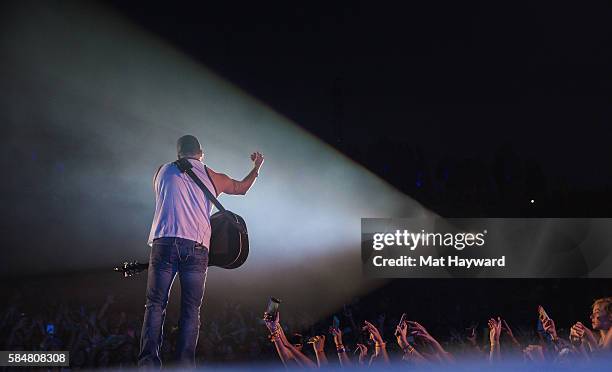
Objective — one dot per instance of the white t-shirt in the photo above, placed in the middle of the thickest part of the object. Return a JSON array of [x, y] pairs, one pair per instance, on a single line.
[[181, 208]]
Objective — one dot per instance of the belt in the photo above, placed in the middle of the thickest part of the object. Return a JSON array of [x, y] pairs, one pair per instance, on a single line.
[[197, 245]]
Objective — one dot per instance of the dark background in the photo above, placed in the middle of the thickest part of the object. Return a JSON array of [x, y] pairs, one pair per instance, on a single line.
[[510, 98]]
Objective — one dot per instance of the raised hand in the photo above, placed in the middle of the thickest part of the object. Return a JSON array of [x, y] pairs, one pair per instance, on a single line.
[[363, 353], [506, 328], [319, 343], [257, 159], [419, 331], [272, 324], [337, 333], [495, 329], [401, 333], [549, 327], [582, 332], [374, 333], [576, 334]]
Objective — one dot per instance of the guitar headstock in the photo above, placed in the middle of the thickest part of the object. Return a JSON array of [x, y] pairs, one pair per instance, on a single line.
[[131, 268]]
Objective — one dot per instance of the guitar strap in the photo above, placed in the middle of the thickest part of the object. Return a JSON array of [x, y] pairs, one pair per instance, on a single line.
[[185, 166]]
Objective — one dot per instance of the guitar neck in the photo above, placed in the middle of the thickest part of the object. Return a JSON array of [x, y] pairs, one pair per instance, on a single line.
[[131, 268]]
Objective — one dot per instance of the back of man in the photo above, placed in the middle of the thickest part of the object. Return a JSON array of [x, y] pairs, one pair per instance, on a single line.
[[179, 240], [181, 208]]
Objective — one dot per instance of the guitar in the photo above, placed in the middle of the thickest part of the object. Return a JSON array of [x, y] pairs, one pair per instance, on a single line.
[[229, 246], [131, 268]]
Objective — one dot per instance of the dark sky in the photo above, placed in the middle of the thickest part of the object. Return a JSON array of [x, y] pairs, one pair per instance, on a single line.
[[453, 78]]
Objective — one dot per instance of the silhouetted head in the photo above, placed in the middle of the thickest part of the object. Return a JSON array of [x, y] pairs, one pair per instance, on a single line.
[[188, 146]]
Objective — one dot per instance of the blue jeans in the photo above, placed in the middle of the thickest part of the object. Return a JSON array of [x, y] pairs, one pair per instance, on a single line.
[[170, 256]]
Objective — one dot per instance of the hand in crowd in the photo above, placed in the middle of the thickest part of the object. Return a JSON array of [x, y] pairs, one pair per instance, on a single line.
[[495, 330], [374, 333], [363, 353], [550, 328], [318, 343], [506, 329], [417, 330], [401, 333], [337, 334], [273, 324], [102, 336], [579, 332], [380, 350]]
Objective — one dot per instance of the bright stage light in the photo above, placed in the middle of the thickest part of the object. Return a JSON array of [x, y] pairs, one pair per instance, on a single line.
[[107, 101]]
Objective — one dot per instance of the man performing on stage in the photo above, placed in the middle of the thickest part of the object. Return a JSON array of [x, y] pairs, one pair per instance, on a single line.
[[179, 240]]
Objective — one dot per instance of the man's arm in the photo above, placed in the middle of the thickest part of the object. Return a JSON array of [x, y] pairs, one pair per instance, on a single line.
[[225, 184]]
